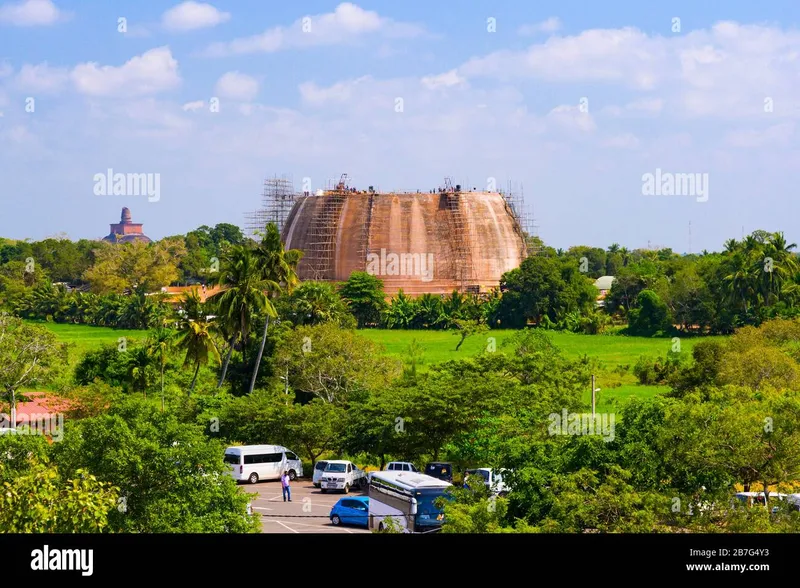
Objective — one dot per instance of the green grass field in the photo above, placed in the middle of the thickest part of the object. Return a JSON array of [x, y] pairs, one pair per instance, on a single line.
[[612, 351]]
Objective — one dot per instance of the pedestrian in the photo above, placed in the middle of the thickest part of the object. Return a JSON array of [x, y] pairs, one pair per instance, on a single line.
[[287, 491]]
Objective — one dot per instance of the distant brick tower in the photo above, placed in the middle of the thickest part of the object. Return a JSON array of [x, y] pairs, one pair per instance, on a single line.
[[126, 231]]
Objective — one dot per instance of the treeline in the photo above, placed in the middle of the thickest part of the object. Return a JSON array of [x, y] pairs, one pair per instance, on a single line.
[[653, 292]]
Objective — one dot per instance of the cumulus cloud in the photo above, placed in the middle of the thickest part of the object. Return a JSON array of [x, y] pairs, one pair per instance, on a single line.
[[41, 78], [237, 86], [445, 80], [346, 24], [190, 16], [31, 13], [194, 106], [551, 25], [152, 72]]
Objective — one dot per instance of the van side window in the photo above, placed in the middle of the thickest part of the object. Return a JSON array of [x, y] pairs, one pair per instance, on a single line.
[[272, 457]]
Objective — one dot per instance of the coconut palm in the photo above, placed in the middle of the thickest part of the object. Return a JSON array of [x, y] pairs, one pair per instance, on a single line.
[[243, 294], [199, 346], [279, 271], [158, 346]]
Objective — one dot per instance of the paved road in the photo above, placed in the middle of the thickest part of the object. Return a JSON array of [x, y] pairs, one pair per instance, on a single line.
[[307, 502]]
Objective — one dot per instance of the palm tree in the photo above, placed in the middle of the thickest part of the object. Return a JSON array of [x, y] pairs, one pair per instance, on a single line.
[[139, 361], [160, 341], [243, 293], [278, 270], [613, 248], [199, 346]]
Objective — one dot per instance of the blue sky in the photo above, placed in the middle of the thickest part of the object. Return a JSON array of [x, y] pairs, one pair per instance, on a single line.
[[574, 100]]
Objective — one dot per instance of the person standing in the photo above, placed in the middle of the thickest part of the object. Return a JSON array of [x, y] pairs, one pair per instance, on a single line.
[[287, 491]]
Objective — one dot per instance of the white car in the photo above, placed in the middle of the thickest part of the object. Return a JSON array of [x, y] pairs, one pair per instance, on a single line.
[[319, 469], [342, 475], [492, 478], [397, 466], [255, 463]]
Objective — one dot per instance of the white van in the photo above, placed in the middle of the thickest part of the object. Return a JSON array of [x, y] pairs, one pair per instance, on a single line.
[[262, 462]]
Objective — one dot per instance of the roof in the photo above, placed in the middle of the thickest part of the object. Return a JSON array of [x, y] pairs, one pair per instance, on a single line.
[[256, 448], [337, 461], [359, 498], [604, 282], [410, 479]]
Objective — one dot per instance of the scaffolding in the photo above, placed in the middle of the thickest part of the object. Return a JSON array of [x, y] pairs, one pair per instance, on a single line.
[[277, 199], [463, 270], [321, 252]]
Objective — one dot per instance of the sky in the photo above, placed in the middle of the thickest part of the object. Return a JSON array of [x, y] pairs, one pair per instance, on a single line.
[[576, 102]]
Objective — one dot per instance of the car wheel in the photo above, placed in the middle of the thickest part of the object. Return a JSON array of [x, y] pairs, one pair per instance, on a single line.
[[336, 520], [317, 485], [347, 488], [363, 483], [380, 527], [253, 478], [292, 475]]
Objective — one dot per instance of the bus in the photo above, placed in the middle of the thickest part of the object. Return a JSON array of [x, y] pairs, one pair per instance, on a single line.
[[408, 499]]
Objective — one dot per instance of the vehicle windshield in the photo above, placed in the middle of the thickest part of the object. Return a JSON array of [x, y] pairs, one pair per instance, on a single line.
[[231, 458], [483, 473], [336, 467], [438, 470], [427, 512], [321, 465]]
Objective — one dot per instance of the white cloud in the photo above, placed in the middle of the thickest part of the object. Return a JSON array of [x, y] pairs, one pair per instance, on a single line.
[[340, 92], [570, 117], [551, 25], [445, 80], [5, 70], [31, 13], [152, 72], [624, 141], [643, 107], [190, 16], [345, 25], [778, 135], [194, 106], [41, 78], [237, 86]]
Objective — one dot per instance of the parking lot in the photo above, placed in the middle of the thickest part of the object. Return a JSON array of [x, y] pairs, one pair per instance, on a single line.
[[306, 513]]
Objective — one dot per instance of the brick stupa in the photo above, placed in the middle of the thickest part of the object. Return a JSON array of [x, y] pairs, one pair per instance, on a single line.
[[126, 231]]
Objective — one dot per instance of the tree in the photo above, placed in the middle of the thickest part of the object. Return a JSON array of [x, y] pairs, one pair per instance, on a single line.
[[137, 266], [39, 501], [467, 328], [159, 344], [29, 355], [651, 317], [363, 294], [316, 427], [278, 270], [171, 477], [243, 294], [331, 363], [313, 303], [199, 346]]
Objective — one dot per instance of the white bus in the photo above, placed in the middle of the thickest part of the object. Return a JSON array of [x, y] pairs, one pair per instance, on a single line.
[[262, 462], [408, 498]]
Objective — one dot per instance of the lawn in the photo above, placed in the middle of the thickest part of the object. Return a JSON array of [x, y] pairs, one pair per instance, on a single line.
[[616, 383], [82, 338]]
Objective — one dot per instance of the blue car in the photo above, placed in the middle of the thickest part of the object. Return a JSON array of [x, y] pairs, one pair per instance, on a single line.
[[351, 511]]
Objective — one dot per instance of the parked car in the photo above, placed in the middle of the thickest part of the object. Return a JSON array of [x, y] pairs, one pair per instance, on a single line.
[[343, 475], [492, 478], [319, 468], [400, 466], [351, 511], [441, 470], [255, 463], [757, 499]]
